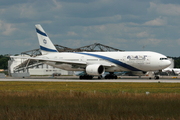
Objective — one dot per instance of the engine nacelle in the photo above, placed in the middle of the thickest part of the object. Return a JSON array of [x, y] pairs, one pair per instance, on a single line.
[[95, 69]]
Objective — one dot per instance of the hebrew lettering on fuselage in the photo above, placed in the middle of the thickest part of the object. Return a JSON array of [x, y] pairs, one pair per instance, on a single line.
[[136, 57]]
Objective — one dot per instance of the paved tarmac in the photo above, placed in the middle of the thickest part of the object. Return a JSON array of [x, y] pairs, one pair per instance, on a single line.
[[167, 79]]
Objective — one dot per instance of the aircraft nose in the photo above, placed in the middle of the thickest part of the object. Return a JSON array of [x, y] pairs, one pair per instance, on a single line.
[[164, 64], [168, 63]]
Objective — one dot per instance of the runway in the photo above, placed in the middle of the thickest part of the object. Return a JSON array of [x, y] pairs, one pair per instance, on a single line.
[[75, 79]]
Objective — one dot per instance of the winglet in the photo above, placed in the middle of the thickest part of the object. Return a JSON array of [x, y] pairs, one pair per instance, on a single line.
[[46, 45]]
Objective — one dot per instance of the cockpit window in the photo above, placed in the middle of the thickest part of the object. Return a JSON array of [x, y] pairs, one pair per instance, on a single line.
[[163, 58]]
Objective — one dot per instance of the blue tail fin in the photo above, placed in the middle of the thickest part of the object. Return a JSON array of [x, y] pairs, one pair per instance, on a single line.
[[45, 43]]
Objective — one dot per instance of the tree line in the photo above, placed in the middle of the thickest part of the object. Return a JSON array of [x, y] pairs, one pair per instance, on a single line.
[[4, 61], [176, 61]]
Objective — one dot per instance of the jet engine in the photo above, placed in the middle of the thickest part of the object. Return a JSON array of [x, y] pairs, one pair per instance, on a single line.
[[95, 69]]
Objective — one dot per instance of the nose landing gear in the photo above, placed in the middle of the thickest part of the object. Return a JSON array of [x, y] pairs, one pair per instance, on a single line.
[[111, 75], [156, 77]]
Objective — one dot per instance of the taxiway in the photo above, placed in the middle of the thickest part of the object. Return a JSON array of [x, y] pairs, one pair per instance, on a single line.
[[75, 79]]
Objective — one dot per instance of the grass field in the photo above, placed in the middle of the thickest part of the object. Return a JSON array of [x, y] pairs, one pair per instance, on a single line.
[[89, 101], [91, 87]]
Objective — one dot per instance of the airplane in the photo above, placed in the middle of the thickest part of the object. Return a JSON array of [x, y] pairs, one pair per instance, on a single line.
[[96, 63], [173, 71]]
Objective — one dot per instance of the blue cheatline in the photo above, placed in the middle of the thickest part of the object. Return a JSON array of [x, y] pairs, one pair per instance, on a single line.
[[47, 49], [40, 32], [113, 61]]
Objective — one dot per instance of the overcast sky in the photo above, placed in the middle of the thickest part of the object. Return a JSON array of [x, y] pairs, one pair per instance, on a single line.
[[124, 24]]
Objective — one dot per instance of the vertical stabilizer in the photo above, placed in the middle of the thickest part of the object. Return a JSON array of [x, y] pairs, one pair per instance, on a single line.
[[46, 45]]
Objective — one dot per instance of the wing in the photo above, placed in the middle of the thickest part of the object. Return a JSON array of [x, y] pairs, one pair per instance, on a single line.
[[57, 61]]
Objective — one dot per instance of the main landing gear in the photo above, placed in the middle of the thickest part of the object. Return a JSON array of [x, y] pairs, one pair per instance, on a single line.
[[85, 77], [100, 77], [111, 75]]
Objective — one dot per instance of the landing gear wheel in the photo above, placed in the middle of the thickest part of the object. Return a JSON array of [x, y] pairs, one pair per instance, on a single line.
[[111, 76], [115, 77], [86, 77]]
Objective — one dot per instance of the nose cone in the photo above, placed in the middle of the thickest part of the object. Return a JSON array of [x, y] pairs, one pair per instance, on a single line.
[[167, 63]]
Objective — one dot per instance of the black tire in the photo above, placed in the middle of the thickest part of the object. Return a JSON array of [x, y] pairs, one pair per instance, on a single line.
[[90, 77]]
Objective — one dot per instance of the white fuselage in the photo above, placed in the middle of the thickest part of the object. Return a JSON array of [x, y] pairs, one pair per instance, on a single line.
[[117, 61]]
